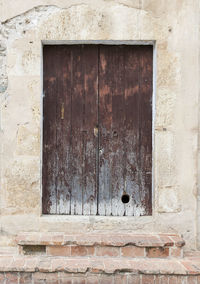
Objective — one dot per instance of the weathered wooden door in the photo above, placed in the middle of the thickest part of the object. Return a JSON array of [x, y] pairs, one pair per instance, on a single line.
[[97, 130]]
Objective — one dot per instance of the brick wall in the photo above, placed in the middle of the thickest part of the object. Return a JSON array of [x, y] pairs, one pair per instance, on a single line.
[[67, 278]]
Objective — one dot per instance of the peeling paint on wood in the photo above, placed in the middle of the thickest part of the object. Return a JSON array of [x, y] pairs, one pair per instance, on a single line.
[[97, 137]]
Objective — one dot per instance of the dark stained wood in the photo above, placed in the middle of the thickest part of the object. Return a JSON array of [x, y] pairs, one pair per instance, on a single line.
[[145, 141], [97, 130], [90, 121], [125, 117], [111, 121], [49, 169], [63, 126], [84, 118], [70, 114]]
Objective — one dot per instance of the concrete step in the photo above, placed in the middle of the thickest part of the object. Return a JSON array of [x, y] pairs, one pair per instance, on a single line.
[[123, 245]]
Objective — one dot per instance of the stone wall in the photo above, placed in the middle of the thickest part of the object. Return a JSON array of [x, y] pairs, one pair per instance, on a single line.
[[173, 27]]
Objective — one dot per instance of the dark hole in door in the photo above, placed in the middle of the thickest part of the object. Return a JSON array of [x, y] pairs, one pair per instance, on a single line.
[[125, 198]]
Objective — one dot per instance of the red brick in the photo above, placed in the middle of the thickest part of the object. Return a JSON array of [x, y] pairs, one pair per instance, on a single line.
[[173, 280], [2, 277], [45, 276], [52, 282], [82, 251], [107, 251], [92, 279], [25, 278], [12, 277], [147, 279], [132, 251], [163, 279], [106, 279], [65, 278], [120, 279], [157, 252], [182, 280], [176, 252], [134, 279], [66, 281], [58, 250], [79, 280], [192, 280]]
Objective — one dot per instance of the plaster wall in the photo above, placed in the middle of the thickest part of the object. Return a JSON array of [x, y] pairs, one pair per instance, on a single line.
[[173, 27]]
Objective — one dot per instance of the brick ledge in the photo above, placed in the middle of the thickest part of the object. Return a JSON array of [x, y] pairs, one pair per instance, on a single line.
[[186, 266], [100, 239]]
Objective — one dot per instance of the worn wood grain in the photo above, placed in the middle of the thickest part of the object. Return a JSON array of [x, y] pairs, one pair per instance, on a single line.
[[145, 141], [97, 130], [70, 187], [63, 126], [125, 111], [49, 168]]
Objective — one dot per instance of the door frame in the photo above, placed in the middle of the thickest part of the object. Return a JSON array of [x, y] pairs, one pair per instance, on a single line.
[[104, 42]]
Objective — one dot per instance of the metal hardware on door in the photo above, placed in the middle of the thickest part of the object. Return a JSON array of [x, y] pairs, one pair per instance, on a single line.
[[96, 130], [62, 111], [115, 134]]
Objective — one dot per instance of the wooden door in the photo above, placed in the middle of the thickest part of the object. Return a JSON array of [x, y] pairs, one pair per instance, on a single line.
[[97, 130]]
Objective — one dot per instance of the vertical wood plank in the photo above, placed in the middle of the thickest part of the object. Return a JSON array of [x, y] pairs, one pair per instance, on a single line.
[[90, 122], [118, 160], [131, 93], [63, 118], [49, 168], [146, 81], [77, 159], [105, 125], [111, 120], [125, 111], [84, 119]]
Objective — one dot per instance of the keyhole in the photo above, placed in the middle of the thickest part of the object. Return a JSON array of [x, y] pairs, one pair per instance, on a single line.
[[125, 198]]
